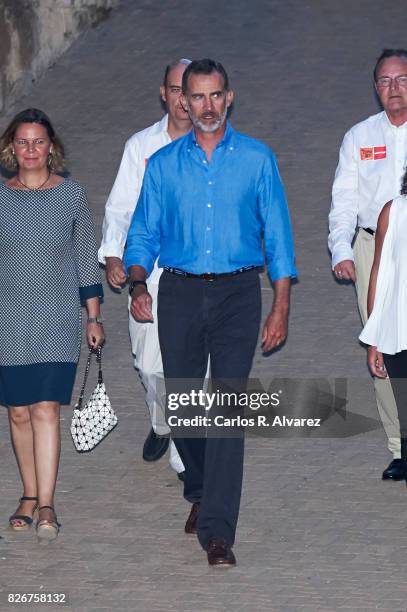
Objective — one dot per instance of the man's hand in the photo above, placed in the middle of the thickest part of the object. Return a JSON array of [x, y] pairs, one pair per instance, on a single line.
[[375, 362], [115, 272], [345, 270], [141, 304], [276, 326], [275, 329]]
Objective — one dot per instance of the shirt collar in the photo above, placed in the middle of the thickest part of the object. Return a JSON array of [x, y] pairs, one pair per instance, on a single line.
[[227, 136], [388, 123], [163, 124]]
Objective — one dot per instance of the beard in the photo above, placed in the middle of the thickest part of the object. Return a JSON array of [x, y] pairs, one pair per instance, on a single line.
[[208, 128]]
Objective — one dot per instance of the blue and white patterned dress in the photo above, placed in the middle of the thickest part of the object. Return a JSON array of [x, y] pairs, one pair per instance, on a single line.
[[48, 266]]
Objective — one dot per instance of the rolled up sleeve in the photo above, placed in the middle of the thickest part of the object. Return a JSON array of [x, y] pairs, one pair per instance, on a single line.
[[143, 239], [278, 238]]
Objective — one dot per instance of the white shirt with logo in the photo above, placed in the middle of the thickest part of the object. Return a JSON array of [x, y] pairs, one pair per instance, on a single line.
[[126, 189], [372, 160]]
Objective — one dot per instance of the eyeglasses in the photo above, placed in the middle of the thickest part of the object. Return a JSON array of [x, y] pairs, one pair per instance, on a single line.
[[36, 142], [385, 81]]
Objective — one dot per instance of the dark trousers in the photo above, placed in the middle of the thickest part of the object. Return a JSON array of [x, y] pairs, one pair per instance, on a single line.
[[220, 319], [396, 366]]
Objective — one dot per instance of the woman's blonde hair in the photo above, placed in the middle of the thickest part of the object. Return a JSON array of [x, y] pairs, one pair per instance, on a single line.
[[56, 159]]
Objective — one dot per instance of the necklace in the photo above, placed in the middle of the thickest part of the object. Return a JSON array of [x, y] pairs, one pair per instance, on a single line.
[[34, 188]]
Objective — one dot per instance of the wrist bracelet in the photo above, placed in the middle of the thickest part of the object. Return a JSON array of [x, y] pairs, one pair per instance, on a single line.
[[95, 320], [134, 284]]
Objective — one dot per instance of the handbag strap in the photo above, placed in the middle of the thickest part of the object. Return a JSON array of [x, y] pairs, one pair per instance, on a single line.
[[87, 368]]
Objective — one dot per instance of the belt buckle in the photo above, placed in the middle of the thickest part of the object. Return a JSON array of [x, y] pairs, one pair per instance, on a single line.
[[208, 276]]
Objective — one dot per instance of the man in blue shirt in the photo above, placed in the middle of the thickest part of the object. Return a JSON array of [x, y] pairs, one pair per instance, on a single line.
[[209, 203]]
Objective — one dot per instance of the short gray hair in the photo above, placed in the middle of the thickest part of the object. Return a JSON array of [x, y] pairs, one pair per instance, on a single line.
[[183, 61]]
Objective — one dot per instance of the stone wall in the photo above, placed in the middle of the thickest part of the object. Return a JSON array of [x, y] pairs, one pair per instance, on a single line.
[[34, 33]]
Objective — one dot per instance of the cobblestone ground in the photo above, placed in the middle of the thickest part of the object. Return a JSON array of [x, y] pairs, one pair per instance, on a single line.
[[319, 530]]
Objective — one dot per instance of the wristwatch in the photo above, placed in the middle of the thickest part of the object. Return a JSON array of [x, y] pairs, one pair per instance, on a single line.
[[134, 284], [95, 320]]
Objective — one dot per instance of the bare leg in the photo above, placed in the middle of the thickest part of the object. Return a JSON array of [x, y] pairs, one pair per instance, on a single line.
[[23, 445], [47, 447]]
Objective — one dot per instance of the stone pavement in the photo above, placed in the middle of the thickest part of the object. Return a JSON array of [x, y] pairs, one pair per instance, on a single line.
[[319, 530]]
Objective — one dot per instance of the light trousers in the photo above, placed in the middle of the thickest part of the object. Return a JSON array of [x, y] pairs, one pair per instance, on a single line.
[[145, 347], [364, 254]]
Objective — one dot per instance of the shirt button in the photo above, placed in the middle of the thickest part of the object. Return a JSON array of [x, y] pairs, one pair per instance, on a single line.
[[230, 148], [209, 182], [208, 229], [209, 205], [208, 252], [204, 161]]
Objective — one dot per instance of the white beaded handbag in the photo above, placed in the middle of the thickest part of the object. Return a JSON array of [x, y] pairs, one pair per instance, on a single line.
[[91, 423]]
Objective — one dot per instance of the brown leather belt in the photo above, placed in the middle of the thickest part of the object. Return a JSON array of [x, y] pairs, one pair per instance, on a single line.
[[210, 276]]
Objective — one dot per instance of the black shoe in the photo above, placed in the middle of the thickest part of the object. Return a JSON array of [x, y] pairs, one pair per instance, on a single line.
[[181, 476], [220, 553], [155, 446], [395, 471], [190, 526]]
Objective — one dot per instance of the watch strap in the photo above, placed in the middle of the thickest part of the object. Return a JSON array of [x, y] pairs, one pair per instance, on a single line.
[[134, 284], [95, 320]]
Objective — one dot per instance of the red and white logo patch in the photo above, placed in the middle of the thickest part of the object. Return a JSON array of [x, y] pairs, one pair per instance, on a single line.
[[371, 153], [379, 152]]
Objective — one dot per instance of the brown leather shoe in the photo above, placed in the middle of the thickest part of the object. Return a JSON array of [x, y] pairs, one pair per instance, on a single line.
[[190, 525], [220, 553]]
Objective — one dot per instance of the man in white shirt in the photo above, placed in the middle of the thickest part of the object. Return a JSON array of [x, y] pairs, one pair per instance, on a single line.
[[372, 159], [119, 211]]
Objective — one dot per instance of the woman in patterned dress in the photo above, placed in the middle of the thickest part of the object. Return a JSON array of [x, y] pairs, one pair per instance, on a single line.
[[48, 268]]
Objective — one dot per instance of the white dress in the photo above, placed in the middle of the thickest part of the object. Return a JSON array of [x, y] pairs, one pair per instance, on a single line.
[[386, 327]]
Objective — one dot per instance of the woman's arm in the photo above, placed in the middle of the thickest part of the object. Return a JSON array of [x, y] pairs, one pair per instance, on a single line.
[[375, 357], [382, 225], [85, 253]]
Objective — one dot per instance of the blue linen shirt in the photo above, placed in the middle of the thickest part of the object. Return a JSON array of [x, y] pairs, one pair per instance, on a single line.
[[203, 217]]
